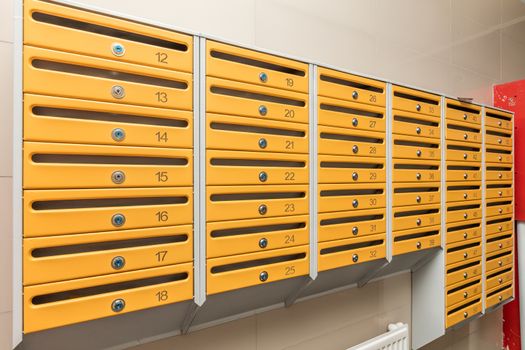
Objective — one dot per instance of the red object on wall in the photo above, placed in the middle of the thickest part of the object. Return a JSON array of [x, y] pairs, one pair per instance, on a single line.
[[511, 96]]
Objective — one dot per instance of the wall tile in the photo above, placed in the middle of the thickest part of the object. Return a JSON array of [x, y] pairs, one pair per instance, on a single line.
[[466, 83], [512, 59], [511, 10], [470, 17], [481, 55], [6, 109], [6, 242]]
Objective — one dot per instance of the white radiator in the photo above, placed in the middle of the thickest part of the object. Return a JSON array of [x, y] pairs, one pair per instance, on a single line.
[[395, 339]]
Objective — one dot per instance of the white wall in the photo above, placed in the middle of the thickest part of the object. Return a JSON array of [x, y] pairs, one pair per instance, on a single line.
[[458, 47]]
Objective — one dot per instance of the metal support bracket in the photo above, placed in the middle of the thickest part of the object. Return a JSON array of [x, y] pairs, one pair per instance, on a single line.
[[290, 300]]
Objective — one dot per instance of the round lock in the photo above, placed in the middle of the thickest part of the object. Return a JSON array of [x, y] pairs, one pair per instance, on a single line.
[[465, 117], [418, 107], [500, 245], [465, 275], [263, 77], [465, 255], [355, 230], [500, 280], [418, 199], [418, 176], [118, 305], [118, 177], [355, 149], [355, 203], [465, 195], [499, 123], [500, 175], [418, 130], [118, 92], [418, 222], [500, 210], [355, 176], [355, 95], [500, 228], [263, 143], [118, 262], [418, 153], [465, 156], [355, 258], [465, 176], [118, 49], [465, 136], [465, 216], [465, 235], [418, 245], [355, 122], [465, 295], [465, 314], [500, 193], [263, 209], [263, 243], [500, 298], [499, 158], [263, 176], [263, 110], [263, 276], [118, 220], [500, 140], [500, 263], [118, 134]]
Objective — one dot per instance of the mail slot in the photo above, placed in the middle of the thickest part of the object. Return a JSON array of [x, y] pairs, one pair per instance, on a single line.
[[499, 155], [247, 100], [350, 115], [247, 236], [416, 194], [499, 172], [416, 239], [405, 218], [239, 271], [463, 111], [58, 212], [499, 259], [462, 251], [416, 148], [498, 138], [252, 202], [463, 152], [463, 171], [463, 211], [464, 191], [251, 134], [249, 66], [62, 303], [499, 224], [351, 87], [499, 295], [70, 29], [416, 101], [346, 252], [59, 258], [56, 119], [464, 132], [250, 168], [499, 241], [499, 277], [464, 231], [84, 77], [415, 124], [463, 270], [350, 197], [414, 171], [498, 119], [340, 169], [459, 292], [463, 311], [55, 165], [346, 142], [499, 208], [499, 190], [349, 224]]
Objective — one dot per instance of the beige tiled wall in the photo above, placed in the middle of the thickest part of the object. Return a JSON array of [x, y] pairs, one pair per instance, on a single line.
[[458, 47]]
